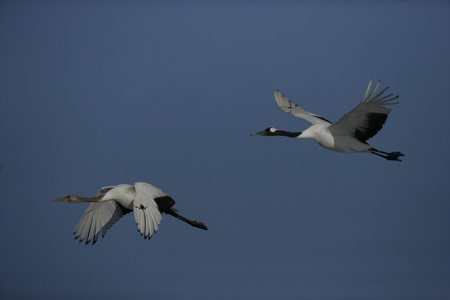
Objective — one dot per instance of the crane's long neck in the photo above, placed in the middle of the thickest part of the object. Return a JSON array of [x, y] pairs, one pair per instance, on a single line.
[[195, 223], [75, 199], [287, 133], [88, 199]]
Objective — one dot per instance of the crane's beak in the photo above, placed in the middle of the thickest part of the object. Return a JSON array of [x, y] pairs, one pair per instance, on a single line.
[[63, 199], [257, 133]]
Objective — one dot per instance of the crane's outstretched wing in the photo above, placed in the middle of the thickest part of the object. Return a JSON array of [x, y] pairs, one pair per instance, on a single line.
[[149, 202], [366, 119], [290, 107], [98, 217]]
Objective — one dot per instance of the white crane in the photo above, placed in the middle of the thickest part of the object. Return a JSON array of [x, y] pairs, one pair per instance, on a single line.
[[112, 202], [350, 133]]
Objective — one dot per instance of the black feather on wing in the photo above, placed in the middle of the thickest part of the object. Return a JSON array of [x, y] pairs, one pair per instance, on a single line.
[[375, 122], [164, 203]]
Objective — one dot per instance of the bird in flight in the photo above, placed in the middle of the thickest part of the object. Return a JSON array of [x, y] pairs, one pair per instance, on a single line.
[[112, 202], [350, 133]]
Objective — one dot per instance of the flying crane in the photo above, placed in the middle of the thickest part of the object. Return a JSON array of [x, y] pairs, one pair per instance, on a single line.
[[350, 133], [112, 202]]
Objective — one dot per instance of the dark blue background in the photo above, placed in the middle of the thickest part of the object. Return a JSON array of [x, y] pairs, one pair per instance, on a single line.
[[97, 93]]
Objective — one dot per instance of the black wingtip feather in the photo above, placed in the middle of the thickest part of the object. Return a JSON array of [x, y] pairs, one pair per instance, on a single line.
[[375, 122]]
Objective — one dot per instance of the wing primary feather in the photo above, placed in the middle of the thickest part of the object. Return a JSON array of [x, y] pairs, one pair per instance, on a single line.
[[156, 217], [149, 228], [146, 222], [141, 222], [97, 231], [153, 217], [374, 99], [82, 228], [388, 100], [78, 226], [384, 98], [367, 90], [137, 214], [374, 90], [86, 228], [91, 231]]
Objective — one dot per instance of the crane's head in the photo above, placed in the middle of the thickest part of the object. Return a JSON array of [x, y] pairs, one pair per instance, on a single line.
[[68, 198], [277, 132], [266, 132]]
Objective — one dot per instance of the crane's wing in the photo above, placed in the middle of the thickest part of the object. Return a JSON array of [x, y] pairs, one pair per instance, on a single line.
[[366, 119], [149, 203], [290, 107], [98, 217]]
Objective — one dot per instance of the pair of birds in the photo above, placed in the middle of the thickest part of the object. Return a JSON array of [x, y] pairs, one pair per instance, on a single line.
[[348, 135]]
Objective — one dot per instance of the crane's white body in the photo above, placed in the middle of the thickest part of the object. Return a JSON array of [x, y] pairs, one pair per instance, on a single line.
[[321, 133], [350, 133], [112, 202]]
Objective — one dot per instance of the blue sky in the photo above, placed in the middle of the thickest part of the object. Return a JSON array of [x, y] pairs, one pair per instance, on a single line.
[[98, 93]]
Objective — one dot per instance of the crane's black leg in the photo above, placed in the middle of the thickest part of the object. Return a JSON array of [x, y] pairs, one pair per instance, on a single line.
[[389, 156], [195, 223]]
